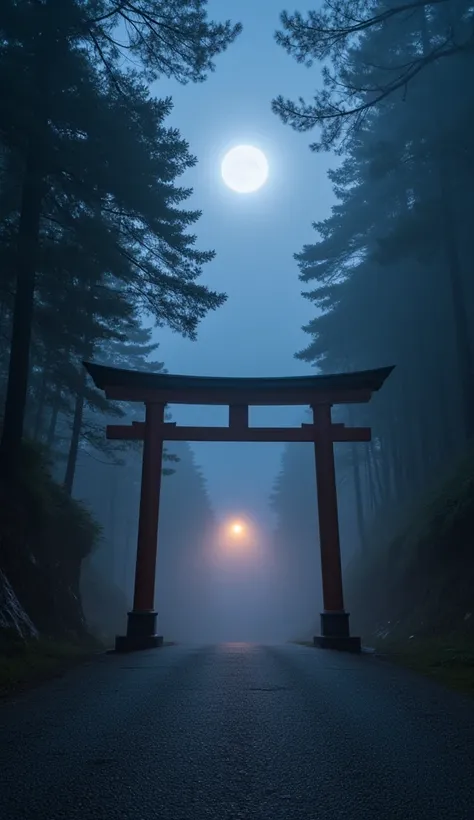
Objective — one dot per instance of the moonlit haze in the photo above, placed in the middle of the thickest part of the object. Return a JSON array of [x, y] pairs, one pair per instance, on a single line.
[[259, 189], [241, 146], [228, 610]]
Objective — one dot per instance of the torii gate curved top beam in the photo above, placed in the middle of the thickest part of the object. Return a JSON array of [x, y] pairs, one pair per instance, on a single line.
[[156, 390], [136, 385]]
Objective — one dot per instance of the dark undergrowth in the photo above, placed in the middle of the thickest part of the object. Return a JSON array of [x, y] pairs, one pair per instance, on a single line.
[[24, 664], [411, 597], [450, 661], [44, 538]]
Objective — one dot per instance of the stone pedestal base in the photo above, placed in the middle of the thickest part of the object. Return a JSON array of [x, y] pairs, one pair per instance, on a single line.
[[141, 633], [335, 633], [348, 644]]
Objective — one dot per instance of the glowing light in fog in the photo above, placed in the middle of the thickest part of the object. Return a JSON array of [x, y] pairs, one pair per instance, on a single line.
[[236, 542]]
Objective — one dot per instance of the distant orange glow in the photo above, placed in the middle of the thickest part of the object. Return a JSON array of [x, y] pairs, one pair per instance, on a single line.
[[237, 528], [237, 540]]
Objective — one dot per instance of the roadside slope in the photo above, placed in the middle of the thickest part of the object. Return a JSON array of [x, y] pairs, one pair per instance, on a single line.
[[412, 596]]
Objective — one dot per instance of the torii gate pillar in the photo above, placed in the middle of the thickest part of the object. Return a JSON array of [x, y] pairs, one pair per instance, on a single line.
[[142, 620], [334, 619]]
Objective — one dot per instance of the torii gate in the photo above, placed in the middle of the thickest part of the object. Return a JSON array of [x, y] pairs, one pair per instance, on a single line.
[[157, 390]]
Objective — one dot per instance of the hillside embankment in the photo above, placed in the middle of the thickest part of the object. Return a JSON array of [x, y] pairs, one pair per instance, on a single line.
[[55, 609], [412, 596]]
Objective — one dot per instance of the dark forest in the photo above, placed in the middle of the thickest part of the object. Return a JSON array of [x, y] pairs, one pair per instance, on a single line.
[[105, 258]]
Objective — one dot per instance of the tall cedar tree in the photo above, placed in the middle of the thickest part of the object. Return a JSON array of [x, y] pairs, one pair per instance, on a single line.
[[66, 99], [332, 34], [390, 274]]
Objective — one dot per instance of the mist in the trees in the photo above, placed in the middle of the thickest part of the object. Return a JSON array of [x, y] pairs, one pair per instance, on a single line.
[[389, 271], [121, 243]]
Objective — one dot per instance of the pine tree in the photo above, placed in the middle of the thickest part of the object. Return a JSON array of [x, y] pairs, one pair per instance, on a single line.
[[389, 273], [66, 99], [392, 59], [171, 38]]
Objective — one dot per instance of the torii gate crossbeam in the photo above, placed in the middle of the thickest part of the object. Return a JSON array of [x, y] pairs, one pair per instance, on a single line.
[[158, 390]]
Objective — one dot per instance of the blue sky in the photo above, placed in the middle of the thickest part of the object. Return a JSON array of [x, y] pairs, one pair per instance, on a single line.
[[258, 330]]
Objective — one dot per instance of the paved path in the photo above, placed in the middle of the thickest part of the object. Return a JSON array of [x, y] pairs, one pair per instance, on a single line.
[[237, 732]]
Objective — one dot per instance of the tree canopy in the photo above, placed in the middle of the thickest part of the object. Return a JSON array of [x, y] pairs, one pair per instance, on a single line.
[[370, 53], [389, 273], [94, 231]]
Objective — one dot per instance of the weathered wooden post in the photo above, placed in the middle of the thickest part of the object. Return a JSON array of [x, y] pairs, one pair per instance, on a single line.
[[142, 620], [334, 620]]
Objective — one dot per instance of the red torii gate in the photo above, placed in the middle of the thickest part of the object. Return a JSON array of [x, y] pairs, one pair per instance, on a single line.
[[157, 390]]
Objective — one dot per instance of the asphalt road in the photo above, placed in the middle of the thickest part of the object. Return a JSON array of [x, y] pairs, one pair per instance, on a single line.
[[234, 732]]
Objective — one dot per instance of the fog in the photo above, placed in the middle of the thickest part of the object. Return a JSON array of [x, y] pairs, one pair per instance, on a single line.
[[255, 333], [355, 254], [273, 591], [255, 238]]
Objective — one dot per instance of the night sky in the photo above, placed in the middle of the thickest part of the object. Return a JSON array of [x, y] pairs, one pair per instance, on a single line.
[[255, 235]]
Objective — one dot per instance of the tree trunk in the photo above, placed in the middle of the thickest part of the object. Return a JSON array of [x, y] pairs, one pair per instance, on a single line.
[[18, 371], [76, 432], [358, 497], [409, 437], [357, 484], [54, 419], [38, 426], [393, 454], [461, 321], [372, 496], [383, 493], [385, 468], [113, 512], [28, 241]]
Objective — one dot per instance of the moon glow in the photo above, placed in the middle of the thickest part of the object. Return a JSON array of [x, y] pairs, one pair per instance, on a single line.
[[244, 169]]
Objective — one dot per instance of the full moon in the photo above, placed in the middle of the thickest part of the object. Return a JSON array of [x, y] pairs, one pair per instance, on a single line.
[[244, 169]]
